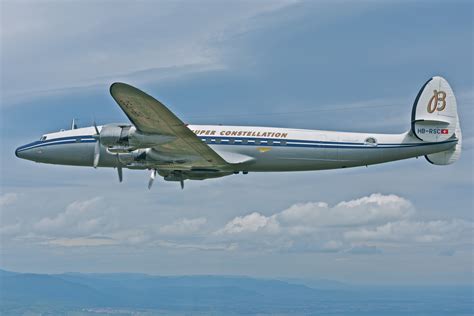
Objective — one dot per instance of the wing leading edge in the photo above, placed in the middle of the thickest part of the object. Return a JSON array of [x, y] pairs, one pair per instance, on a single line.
[[150, 116]]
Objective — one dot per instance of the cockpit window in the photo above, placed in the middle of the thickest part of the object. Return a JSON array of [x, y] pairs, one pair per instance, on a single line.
[[43, 138]]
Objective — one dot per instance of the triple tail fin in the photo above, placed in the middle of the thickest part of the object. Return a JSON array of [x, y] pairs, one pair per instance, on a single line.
[[435, 119]]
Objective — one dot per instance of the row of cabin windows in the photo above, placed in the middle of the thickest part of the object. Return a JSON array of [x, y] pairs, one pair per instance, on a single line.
[[243, 141]]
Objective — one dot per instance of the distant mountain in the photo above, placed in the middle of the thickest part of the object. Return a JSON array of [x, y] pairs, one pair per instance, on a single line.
[[318, 283], [141, 294], [6, 273], [146, 291], [38, 288]]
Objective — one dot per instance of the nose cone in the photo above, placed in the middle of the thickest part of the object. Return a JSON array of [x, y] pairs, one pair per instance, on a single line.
[[26, 151], [21, 152]]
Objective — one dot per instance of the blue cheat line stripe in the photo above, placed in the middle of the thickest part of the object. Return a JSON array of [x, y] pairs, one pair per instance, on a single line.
[[57, 141], [312, 144], [225, 141]]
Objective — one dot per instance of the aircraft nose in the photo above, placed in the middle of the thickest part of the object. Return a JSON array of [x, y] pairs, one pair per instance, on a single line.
[[26, 152], [22, 152]]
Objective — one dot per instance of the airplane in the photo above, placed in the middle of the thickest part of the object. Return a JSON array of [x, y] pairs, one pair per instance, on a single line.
[[159, 141]]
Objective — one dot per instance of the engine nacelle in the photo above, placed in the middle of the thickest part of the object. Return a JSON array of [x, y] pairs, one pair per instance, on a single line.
[[134, 159], [122, 138], [115, 135]]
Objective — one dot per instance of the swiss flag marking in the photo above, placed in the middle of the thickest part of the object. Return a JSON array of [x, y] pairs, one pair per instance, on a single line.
[[444, 131]]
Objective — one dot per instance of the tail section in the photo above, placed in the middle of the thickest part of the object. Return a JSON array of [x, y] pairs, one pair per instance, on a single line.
[[435, 119]]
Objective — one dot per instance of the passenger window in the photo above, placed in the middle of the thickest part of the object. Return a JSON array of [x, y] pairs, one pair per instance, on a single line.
[[283, 142], [270, 142], [257, 142], [218, 141], [231, 141], [244, 141], [371, 141]]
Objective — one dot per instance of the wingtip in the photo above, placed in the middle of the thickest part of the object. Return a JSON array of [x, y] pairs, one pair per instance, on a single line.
[[115, 85], [122, 87]]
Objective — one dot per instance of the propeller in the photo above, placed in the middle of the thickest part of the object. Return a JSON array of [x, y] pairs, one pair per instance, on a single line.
[[97, 146], [152, 178], [182, 183], [120, 173]]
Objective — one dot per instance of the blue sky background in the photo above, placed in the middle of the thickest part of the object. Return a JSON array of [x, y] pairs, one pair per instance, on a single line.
[[351, 66]]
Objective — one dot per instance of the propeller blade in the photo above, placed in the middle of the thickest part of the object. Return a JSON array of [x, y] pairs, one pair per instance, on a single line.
[[182, 184], [120, 173], [152, 178], [96, 153], [96, 128]]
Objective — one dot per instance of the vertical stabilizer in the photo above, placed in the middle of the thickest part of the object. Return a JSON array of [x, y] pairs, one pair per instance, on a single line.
[[435, 119]]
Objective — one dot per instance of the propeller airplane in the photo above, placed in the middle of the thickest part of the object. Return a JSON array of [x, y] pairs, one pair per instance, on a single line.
[[159, 141]]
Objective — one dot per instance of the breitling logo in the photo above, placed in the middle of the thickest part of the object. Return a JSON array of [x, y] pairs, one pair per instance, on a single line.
[[437, 102]]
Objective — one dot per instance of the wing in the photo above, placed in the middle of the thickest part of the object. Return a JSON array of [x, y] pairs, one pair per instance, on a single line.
[[150, 116]]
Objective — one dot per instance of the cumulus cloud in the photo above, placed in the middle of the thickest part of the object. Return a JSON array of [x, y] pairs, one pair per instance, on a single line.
[[362, 226], [358, 226], [307, 218], [80, 217], [375, 208], [250, 224]]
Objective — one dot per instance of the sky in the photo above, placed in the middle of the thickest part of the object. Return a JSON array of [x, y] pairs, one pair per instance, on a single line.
[[349, 66]]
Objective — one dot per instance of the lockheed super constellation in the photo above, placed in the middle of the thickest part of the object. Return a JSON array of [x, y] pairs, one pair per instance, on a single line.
[[159, 141]]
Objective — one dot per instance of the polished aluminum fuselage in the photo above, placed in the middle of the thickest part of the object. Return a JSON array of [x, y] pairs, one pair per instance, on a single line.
[[257, 148]]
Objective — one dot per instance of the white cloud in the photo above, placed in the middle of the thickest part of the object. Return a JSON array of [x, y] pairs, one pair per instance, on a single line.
[[133, 236], [375, 208], [169, 34], [347, 227], [8, 199], [80, 217], [80, 242], [333, 245], [183, 226], [250, 224], [360, 226], [307, 218]]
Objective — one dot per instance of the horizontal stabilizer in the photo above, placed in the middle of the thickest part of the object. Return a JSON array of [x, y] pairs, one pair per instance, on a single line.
[[447, 157]]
